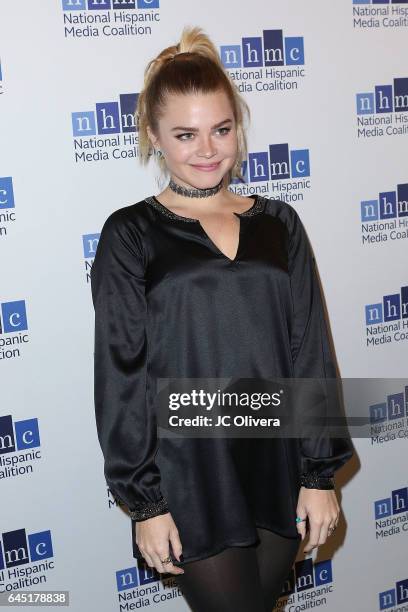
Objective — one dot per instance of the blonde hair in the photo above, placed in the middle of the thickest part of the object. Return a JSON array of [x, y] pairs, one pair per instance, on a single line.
[[190, 66]]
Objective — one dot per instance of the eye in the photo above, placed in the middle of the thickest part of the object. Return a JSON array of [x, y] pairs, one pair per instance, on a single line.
[[185, 136], [224, 131]]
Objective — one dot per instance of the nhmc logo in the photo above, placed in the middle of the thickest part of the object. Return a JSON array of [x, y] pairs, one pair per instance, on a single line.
[[20, 548], [24, 435], [270, 49], [384, 99], [107, 118], [396, 503], [106, 5], [390, 204], [395, 596], [380, 2], [307, 575], [392, 308], [395, 407], [277, 163], [132, 577]]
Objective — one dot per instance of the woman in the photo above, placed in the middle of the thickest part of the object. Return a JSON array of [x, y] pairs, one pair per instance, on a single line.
[[200, 282]]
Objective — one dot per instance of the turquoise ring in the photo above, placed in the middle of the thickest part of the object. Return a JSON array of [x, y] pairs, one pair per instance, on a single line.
[[299, 520]]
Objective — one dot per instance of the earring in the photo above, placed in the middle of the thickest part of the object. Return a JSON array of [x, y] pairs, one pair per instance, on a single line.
[[159, 153]]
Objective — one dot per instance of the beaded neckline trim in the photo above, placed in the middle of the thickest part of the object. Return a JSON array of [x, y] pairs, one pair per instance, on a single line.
[[255, 209]]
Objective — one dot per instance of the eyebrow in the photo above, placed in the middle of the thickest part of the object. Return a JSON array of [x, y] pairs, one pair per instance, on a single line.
[[192, 129]]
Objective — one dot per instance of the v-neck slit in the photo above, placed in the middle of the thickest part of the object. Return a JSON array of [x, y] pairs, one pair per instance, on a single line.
[[254, 209]]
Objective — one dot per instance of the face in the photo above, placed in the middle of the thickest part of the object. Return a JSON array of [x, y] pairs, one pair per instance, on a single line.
[[197, 136]]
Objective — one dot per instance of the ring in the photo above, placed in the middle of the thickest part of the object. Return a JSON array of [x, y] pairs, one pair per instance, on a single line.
[[299, 519], [166, 560]]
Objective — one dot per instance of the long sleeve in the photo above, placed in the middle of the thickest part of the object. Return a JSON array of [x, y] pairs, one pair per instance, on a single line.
[[126, 428], [321, 455]]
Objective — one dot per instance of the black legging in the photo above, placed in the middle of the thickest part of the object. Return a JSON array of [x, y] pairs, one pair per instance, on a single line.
[[240, 578]]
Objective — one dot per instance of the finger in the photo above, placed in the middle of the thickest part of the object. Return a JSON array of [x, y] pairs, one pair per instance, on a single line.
[[314, 535], [148, 559], [301, 527], [324, 532], [332, 527], [164, 568], [157, 562], [176, 544]]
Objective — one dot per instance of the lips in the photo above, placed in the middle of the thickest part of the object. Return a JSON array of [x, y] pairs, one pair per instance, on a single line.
[[206, 167]]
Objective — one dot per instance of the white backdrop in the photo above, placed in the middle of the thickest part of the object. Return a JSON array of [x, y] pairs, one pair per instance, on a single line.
[[340, 107]]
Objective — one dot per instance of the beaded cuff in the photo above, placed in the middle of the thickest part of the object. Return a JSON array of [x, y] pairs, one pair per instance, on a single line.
[[146, 510], [312, 480]]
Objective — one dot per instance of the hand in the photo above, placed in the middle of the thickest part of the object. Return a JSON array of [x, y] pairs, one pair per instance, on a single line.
[[153, 536], [322, 509]]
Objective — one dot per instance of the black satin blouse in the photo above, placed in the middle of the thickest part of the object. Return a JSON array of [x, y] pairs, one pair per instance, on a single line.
[[168, 303]]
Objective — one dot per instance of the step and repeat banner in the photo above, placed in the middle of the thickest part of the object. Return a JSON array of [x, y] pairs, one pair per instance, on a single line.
[[327, 84]]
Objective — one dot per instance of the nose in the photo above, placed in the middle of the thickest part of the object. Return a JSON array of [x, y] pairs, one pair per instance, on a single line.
[[206, 147]]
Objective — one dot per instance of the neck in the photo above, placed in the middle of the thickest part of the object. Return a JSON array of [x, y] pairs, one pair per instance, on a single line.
[[186, 191]]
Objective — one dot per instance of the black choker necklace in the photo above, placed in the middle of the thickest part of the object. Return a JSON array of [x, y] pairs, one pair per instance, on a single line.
[[195, 193]]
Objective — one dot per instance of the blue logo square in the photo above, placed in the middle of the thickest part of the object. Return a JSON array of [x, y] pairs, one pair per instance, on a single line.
[[401, 589], [6, 192], [107, 117], [258, 166], [382, 508], [99, 5], [252, 55], [388, 204], [90, 244], [300, 164], [365, 103], [323, 572], [126, 579], [73, 5], [401, 94], [148, 4], [14, 316], [83, 124], [279, 161], [15, 541], [396, 406], [121, 5], [378, 413], [383, 99], [369, 210], [373, 313], [399, 500], [402, 199], [273, 48], [27, 434], [387, 599], [304, 575], [231, 56], [40, 545], [294, 51], [7, 434], [128, 104], [404, 302], [392, 307]]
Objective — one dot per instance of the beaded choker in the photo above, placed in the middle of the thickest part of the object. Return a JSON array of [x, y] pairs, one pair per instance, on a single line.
[[195, 193]]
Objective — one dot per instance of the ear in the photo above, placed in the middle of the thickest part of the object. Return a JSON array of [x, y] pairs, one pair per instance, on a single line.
[[152, 137]]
